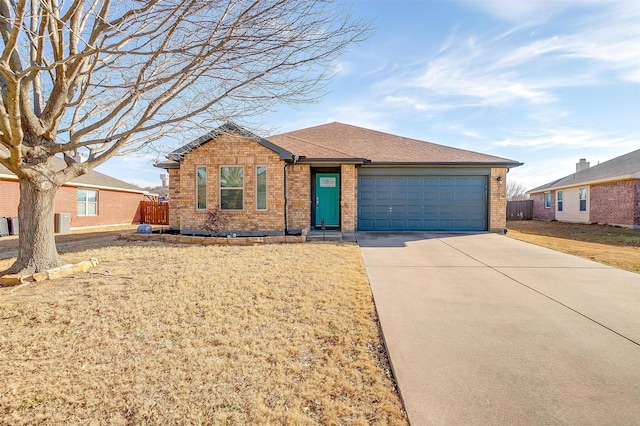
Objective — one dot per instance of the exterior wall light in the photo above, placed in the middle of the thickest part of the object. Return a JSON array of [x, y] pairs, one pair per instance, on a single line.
[[499, 179]]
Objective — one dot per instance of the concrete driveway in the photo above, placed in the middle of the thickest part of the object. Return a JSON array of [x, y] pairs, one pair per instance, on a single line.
[[484, 329]]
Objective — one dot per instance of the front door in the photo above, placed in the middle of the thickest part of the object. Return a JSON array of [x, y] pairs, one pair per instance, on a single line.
[[328, 199]]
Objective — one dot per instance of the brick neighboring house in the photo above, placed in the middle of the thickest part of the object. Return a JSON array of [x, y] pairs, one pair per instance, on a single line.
[[347, 177], [93, 199], [608, 193]]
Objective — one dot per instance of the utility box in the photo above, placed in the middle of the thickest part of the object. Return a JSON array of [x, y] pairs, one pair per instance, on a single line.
[[4, 227], [14, 228], [62, 223]]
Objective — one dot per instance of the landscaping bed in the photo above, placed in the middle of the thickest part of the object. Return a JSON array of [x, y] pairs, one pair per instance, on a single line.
[[611, 245], [162, 333]]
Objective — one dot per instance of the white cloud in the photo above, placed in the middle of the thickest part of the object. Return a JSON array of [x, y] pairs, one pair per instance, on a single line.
[[568, 138]]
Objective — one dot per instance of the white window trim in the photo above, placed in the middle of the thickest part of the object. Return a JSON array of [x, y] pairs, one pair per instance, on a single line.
[[266, 189], [220, 187], [206, 184], [580, 199], [547, 194], [86, 202]]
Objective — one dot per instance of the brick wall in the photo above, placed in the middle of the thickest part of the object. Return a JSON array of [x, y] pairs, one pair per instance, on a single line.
[[498, 200], [298, 196], [349, 197], [616, 203], [636, 210], [114, 207], [539, 210], [231, 150], [175, 200], [9, 197]]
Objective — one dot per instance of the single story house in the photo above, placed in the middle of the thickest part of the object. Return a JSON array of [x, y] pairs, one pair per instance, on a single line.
[[333, 175], [608, 193], [90, 200]]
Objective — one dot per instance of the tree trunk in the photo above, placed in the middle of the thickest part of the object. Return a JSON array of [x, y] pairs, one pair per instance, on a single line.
[[37, 250]]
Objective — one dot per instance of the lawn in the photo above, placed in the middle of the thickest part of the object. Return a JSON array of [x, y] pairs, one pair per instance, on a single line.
[[178, 334], [614, 246]]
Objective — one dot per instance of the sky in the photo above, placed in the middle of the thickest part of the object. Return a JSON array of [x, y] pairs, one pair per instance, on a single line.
[[541, 82]]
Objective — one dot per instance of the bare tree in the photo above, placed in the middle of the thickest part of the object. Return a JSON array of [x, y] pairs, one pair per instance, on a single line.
[[516, 191], [106, 78]]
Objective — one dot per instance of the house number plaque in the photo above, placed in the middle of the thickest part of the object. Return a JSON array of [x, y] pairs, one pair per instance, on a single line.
[[328, 182]]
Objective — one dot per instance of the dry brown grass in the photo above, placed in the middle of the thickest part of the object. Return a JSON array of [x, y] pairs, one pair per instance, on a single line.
[[614, 246], [173, 334]]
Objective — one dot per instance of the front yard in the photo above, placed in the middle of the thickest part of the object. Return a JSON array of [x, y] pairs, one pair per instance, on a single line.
[[614, 246], [176, 334]]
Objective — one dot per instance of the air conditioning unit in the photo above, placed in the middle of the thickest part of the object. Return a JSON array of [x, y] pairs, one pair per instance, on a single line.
[[14, 228], [62, 223], [4, 227]]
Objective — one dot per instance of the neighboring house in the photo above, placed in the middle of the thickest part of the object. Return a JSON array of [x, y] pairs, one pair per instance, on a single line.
[[345, 177], [608, 193], [93, 199]]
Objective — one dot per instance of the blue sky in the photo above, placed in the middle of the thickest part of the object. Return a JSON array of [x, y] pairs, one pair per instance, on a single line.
[[542, 82]]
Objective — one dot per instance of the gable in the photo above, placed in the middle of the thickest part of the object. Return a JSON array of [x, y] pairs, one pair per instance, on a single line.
[[228, 131]]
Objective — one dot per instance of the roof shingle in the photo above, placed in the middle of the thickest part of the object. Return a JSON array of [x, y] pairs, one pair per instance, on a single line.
[[343, 141]]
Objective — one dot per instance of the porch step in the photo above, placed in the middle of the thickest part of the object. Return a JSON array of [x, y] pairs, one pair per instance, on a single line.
[[328, 236]]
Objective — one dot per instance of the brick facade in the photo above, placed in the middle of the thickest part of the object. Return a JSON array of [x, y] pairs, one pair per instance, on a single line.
[[114, 207], [616, 203], [497, 200], [348, 197], [175, 200], [298, 197], [235, 150], [539, 210], [230, 150]]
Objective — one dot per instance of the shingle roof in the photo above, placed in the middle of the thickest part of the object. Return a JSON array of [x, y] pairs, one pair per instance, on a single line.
[[92, 178], [227, 128], [343, 141], [626, 166]]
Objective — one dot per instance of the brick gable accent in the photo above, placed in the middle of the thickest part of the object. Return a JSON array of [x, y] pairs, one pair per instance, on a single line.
[[229, 150]]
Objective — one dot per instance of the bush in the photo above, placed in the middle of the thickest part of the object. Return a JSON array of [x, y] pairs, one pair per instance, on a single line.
[[215, 221]]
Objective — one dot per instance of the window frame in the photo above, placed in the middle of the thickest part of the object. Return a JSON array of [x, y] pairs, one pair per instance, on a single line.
[[197, 197], [86, 202], [559, 200], [582, 191], [221, 188], [266, 186], [547, 200]]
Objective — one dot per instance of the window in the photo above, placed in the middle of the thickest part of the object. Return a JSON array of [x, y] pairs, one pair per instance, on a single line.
[[231, 187], [559, 201], [582, 192], [201, 188], [87, 202], [547, 200], [261, 187]]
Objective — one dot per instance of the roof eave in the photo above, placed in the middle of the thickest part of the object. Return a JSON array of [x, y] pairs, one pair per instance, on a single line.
[[445, 164]]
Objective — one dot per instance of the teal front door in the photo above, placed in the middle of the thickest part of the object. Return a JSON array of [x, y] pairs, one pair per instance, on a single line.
[[328, 199]]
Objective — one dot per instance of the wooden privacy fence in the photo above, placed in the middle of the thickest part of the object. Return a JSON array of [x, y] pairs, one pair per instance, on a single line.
[[520, 210], [154, 212]]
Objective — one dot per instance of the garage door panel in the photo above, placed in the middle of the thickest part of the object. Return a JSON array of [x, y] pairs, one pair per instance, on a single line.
[[422, 202]]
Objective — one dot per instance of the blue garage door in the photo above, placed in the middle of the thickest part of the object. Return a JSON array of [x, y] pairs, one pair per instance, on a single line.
[[392, 202]]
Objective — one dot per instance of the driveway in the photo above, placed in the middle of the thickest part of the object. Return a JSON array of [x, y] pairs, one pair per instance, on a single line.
[[484, 329]]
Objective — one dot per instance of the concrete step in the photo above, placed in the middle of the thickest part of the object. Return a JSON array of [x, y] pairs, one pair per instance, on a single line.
[[328, 236]]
